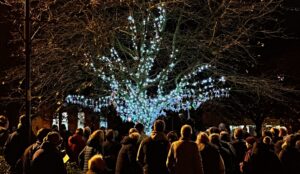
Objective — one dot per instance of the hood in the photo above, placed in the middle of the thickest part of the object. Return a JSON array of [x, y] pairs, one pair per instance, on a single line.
[[127, 140], [94, 142], [48, 146], [158, 136]]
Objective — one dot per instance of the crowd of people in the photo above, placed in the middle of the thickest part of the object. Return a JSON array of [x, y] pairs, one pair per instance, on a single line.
[[103, 151]]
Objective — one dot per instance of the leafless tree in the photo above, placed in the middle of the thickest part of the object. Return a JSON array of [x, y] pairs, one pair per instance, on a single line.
[[68, 34]]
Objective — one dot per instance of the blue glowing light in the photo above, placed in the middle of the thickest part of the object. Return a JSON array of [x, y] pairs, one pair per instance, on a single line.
[[130, 96]]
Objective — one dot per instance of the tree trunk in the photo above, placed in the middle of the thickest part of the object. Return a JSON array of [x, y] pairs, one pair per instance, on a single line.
[[258, 126]]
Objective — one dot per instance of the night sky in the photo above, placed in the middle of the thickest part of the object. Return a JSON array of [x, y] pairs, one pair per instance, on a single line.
[[280, 56], [283, 55]]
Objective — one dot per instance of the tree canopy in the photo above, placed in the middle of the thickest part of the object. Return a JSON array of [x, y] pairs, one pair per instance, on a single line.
[[67, 36]]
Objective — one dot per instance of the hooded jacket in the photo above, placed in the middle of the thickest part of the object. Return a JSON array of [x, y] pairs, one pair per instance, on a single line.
[[184, 158], [15, 146], [153, 152], [126, 161], [47, 160]]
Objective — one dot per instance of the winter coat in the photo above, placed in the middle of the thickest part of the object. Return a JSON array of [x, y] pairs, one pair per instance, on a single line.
[[240, 152], [92, 148], [76, 144], [110, 153], [228, 159], [27, 157], [290, 159], [142, 137], [184, 158], [212, 160], [153, 152], [262, 161], [126, 161], [65, 136], [47, 160], [3, 136], [240, 149], [15, 146]]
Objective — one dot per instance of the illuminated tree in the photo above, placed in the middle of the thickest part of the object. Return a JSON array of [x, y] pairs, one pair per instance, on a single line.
[[140, 90], [70, 37]]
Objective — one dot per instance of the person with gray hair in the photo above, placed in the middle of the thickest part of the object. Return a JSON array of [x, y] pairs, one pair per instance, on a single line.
[[184, 156]]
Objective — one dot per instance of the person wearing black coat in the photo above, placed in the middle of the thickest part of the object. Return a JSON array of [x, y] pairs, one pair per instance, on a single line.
[[16, 144], [290, 156], [225, 153], [29, 152], [239, 145], [211, 158], [262, 161], [126, 161], [110, 151], [48, 159], [153, 151]]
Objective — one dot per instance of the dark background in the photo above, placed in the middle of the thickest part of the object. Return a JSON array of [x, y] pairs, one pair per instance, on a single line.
[[279, 57]]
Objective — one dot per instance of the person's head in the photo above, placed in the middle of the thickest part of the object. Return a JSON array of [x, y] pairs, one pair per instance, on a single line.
[[22, 121], [53, 138], [238, 133], [282, 131], [222, 127], [202, 137], [214, 139], [267, 133], [132, 130], [97, 137], [62, 127], [139, 127], [134, 135], [224, 136], [250, 141], [267, 140], [213, 130], [159, 126], [275, 132], [42, 133], [259, 147], [186, 131], [87, 131], [292, 139], [4, 122], [54, 127], [172, 136], [109, 135], [79, 131], [96, 164]]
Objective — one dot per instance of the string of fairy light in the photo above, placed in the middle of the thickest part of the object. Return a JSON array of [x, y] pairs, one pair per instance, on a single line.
[[130, 96]]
